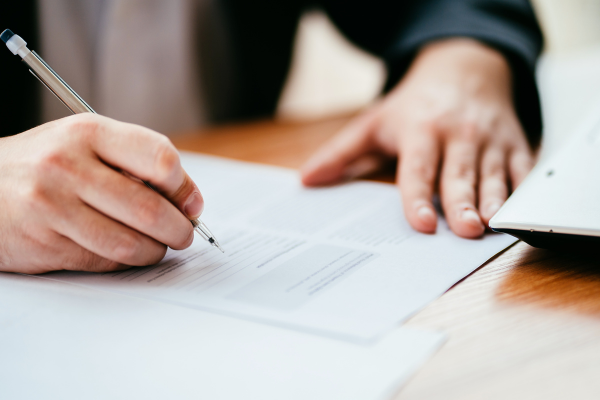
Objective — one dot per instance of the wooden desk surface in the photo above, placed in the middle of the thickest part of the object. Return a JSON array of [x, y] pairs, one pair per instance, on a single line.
[[526, 325]]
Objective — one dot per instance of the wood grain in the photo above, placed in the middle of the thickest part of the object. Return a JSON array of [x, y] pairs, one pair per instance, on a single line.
[[286, 144], [526, 325]]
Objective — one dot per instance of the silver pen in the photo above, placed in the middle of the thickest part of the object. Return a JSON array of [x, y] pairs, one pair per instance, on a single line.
[[72, 101]]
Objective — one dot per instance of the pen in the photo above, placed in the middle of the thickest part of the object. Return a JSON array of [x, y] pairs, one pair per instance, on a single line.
[[72, 101]]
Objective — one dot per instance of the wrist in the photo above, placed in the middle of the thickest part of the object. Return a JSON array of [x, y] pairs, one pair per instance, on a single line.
[[471, 65]]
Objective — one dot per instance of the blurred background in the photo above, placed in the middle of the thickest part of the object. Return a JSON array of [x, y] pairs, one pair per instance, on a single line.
[[331, 76]]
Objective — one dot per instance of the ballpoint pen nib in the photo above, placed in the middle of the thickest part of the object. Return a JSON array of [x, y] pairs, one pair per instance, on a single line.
[[216, 244], [203, 231]]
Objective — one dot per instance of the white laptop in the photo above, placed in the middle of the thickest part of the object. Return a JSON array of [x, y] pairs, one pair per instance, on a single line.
[[558, 204]]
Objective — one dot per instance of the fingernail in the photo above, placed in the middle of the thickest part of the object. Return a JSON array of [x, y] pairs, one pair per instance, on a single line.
[[492, 209], [426, 215], [194, 206], [471, 217]]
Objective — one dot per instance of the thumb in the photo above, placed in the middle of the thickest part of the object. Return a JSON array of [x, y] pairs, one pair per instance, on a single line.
[[336, 160]]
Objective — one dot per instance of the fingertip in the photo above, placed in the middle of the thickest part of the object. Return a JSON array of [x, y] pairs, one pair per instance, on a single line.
[[319, 175], [489, 211], [186, 243], [422, 217], [308, 178], [468, 224], [309, 181], [307, 173], [330, 163], [426, 219]]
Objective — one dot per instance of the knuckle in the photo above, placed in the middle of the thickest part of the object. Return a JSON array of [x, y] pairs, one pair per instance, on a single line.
[[167, 158], [433, 127], [55, 171], [148, 209], [492, 170], [54, 162], [84, 125], [44, 239], [469, 131], [492, 188], [464, 171], [35, 196], [422, 168], [126, 249]]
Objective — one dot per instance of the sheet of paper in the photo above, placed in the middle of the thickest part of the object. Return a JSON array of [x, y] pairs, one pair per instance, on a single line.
[[61, 341], [340, 261]]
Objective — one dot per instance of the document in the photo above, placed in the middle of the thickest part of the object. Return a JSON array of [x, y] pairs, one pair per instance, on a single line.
[[340, 261], [61, 341]]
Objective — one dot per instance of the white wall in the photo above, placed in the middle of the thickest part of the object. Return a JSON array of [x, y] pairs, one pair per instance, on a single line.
[[329, 75], [569, 25]]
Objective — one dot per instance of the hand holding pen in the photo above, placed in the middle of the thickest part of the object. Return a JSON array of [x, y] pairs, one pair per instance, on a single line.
[[66, 207]]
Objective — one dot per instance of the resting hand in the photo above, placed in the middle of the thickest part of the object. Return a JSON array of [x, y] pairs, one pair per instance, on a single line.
[[452, 124], [65, 205]]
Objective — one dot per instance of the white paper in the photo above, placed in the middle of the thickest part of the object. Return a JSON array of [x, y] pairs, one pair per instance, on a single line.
[[340, 261], [60, 341]]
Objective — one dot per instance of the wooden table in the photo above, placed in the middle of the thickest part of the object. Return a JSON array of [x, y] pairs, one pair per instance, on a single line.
[[526, 325]]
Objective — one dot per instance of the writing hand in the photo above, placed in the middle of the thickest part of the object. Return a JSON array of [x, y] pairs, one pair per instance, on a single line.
[[66, 205]]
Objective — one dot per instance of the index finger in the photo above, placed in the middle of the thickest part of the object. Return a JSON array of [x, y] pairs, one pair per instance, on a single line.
[[331, 162], [145, 154]]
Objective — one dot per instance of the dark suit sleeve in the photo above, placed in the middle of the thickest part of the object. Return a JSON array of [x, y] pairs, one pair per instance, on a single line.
[[19, 96], [396, 30]]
